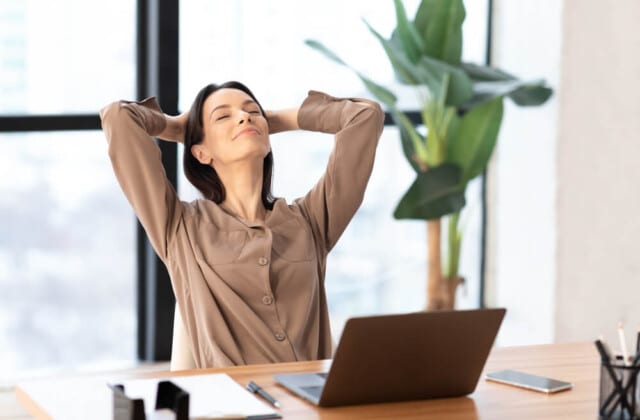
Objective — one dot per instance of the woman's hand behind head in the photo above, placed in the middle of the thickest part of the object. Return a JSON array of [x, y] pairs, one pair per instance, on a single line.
[[174, 131], [282, 120]]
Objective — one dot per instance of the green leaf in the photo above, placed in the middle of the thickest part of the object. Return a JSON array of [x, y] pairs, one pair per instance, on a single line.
[[427, 71], [400, 62], [381, 93], [395, 43], [460, 87], [527, 93], [484, 73], [429, 76], [408, 147], [531, 95], [408, 35], [439, 22], [433, 194], [493, 82], [318, 46], [417, 150], [475, 137]]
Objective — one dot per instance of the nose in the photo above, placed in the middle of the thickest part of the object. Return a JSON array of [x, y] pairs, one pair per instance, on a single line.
[[244, 116]]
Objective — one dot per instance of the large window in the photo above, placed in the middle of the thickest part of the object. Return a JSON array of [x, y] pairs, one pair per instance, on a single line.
[[67, 235], [66, 257], [68, 249], [63, 57]]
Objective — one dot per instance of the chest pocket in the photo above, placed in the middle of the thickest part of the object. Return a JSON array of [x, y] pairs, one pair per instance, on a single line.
[[220, 246], [292, 241]]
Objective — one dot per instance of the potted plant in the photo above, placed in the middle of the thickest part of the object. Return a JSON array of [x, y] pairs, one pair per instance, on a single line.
[[462, 113]]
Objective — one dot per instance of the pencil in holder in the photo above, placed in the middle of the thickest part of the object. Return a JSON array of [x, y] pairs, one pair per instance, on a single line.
[[618, 391]]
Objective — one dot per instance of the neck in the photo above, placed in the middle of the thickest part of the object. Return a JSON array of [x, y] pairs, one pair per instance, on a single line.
[[243, 189]]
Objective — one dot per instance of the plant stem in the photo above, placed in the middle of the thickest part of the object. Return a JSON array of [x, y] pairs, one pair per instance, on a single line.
[[434, 279], [454, 241]]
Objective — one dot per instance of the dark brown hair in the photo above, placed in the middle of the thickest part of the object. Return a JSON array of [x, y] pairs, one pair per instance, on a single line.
[[203, 176]]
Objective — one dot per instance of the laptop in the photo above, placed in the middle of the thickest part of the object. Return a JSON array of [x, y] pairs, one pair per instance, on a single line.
[[403, 357]]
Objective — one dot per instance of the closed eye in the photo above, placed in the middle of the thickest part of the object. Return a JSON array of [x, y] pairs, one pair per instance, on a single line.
[[221, 117]]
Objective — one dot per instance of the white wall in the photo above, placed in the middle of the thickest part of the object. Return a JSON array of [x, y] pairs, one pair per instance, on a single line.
[[564, 196], [598, 270], [521, 224]]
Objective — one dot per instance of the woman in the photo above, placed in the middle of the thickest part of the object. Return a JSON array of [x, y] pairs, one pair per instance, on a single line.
[[247, 270]]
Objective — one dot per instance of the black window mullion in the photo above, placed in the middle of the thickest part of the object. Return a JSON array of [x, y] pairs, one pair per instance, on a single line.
[[483, 186], [141, 240], [413, 116], [24, 123], [157, 75], [70, 122]]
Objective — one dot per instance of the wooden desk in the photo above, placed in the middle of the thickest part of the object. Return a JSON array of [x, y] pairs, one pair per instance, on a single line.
[[577, 363]]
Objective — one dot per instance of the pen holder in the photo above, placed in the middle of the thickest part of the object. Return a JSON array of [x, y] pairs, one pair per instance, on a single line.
[[618, 391], [168, 396]]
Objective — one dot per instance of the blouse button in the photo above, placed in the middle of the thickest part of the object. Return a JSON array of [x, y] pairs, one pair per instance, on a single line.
[[262, 261], [267, 300], [280, 336]]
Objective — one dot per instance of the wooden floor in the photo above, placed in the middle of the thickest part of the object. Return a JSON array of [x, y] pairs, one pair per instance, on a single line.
[[11, 410]]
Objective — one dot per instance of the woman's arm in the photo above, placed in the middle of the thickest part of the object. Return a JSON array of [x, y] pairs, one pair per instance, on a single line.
[[357, 125], [175, 127], [282, 120], [137, 163]]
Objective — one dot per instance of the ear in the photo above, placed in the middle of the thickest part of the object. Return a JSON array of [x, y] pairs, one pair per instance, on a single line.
[[201, 154]]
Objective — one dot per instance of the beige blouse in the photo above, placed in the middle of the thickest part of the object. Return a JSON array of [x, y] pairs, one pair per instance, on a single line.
[[248, 292]]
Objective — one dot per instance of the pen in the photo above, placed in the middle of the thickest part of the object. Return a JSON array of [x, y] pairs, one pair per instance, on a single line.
[[623, 344], [255, 388], [605, 354]]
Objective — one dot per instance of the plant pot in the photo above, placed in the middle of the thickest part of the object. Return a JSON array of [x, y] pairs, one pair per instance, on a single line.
[[445, 296]]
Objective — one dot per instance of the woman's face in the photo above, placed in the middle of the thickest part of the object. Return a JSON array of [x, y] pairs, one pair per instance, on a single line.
[[234, 129]]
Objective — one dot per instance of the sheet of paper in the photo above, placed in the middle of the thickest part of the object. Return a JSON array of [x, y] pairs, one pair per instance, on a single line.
[[210, 396]]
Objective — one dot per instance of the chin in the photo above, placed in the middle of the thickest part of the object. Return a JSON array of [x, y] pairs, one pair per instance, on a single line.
[[257, 152]]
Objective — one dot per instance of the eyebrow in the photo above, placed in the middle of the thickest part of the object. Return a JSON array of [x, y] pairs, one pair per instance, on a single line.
[[248, 101]]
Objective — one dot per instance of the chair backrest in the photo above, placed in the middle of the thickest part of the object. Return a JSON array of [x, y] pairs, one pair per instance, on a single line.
[[181, 355]]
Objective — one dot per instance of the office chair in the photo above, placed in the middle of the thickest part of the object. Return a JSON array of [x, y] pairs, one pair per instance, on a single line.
[[181, 356]]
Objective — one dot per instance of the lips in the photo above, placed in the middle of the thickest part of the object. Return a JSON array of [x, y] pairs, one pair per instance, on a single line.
[[249, 130]]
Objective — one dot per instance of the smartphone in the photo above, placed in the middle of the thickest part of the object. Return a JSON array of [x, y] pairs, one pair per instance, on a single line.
[[528, 381]]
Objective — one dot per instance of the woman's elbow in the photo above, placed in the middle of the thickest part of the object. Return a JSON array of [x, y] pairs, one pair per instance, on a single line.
[[109, 110], [375, 114]]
